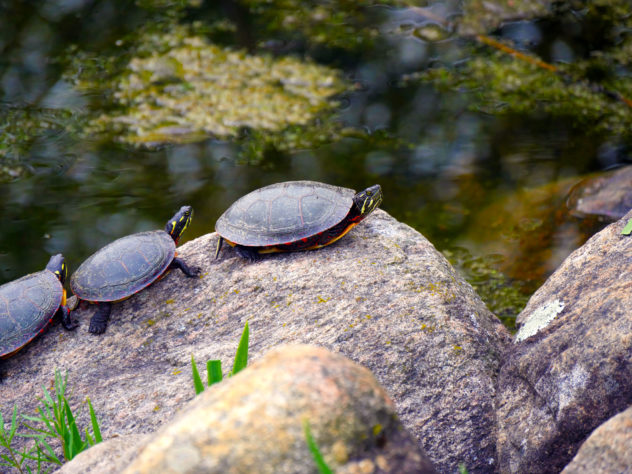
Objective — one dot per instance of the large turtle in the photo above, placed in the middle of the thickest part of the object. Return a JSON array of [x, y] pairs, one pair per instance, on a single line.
[[295, 215], [29, 304], [128, 265]]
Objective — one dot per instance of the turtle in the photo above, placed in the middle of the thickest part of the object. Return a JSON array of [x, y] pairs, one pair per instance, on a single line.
[[29, 305], [293, 215], [129, 264]]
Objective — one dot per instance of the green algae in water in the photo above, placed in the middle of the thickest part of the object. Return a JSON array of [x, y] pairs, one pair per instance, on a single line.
[[480, 16], [21, 132], [338, 24], [593, 90], [188, 89], [503, 296]]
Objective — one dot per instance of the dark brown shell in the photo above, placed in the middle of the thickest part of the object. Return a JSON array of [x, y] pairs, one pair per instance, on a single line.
[[26, 308], [284, 213], [124, 266]]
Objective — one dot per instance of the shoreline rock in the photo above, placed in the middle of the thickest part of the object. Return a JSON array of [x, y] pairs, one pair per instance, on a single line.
[[254, 422], [383, 296], [569, 369]]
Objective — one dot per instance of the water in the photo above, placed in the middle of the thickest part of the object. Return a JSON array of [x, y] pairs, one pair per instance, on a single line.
[[487, 189]]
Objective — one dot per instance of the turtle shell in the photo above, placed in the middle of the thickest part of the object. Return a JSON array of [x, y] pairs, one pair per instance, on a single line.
[[27, 306], [284, 213], [124, 266]]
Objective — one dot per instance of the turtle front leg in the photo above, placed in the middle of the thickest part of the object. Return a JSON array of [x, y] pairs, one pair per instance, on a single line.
[[99, 321], [68, 322], [191, 272]]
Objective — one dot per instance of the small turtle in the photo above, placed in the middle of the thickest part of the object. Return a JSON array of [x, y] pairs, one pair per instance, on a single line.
[[295, 215], [129, 264], [29, 304]]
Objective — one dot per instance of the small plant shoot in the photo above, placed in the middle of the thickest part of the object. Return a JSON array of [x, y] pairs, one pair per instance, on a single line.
[[214, 367], [321, 465], [55, 420]]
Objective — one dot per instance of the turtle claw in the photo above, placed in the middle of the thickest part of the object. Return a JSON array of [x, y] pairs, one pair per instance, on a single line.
[[194, 272], [191, 272], [67, 321], [97, 327], [71, 324], [99, 321]]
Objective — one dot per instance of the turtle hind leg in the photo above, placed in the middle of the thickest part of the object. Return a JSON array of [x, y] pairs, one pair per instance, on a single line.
[[220, 242], [99, 321], [191, 272], [68, 322], [248, 253]]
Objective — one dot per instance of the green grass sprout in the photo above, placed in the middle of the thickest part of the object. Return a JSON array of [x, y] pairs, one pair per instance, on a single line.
[[321, 465], [214, 371], [197, 381], [57, 421], [20, 460], [214, 366], [241, 357], [627, 230]]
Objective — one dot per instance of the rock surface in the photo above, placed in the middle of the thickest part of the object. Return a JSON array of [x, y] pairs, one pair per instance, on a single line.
[[253, 422], [607, 195], [570, 368], [112, 455], [382, 296], [608, 449]]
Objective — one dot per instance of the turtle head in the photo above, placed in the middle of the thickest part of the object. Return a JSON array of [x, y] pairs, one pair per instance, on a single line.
[[366, 201], [179, 222], [57, 265]]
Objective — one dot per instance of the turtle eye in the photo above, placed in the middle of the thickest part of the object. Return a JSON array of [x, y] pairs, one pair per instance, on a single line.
[[369, 193]]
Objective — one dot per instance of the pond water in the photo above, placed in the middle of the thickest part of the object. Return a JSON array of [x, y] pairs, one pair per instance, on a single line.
[[84, 161]]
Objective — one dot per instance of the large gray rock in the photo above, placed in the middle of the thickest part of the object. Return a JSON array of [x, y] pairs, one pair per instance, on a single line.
[[608, 449], [570, 368], [253, 422], [382, 296]]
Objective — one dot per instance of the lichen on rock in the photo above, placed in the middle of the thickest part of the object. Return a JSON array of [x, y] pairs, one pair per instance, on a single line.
[[539, 319]]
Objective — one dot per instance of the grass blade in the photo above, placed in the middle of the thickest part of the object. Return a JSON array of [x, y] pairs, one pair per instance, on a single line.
[[96, 431], [14, 424], [214, 371], [48, 401], [75, 440], [241, 357], [627, 230], [197, 381], [49, 453], [322, 466]]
